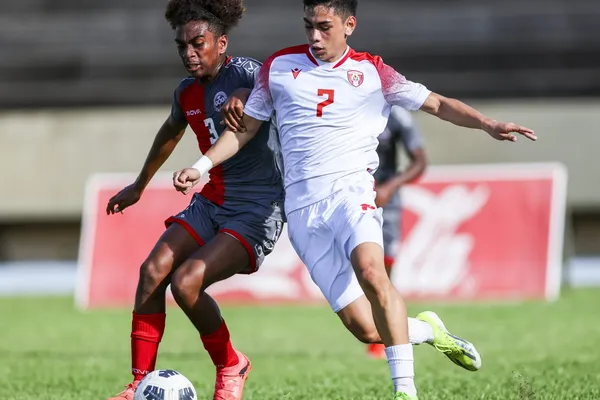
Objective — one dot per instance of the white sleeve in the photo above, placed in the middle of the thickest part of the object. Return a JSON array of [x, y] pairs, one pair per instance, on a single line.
[[398, 90], [260, 103]]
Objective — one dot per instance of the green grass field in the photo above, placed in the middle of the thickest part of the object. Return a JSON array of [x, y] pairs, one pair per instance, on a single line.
[[48, 350]]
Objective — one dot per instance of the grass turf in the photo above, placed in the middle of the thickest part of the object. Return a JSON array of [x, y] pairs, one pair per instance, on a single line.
[[48, 350]]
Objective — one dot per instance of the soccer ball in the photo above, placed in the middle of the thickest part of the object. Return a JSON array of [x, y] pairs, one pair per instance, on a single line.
[[165, 385]]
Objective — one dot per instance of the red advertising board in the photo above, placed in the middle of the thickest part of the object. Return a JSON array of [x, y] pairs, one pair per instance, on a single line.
[[472, 232]]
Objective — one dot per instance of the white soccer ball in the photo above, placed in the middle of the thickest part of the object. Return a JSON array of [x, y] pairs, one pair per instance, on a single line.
[[165, 385]]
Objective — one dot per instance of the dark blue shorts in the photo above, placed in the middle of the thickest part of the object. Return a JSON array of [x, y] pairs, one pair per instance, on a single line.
[[256, 225]]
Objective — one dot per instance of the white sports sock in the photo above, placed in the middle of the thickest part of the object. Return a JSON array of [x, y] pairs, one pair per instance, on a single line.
[[419, 332], [400, 358]]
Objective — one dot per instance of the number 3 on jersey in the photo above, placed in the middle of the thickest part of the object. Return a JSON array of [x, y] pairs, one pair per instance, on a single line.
[[214, 136], [330, 98]]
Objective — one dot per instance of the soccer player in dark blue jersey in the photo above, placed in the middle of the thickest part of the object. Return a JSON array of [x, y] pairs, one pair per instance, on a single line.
[[231, 225]]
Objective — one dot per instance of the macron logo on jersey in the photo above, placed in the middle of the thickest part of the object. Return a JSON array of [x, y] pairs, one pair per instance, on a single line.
[[191, 113], [296, 72]]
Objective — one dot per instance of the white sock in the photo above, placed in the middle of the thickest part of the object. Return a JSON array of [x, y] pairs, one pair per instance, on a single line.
[[419, 332], [400, 358]]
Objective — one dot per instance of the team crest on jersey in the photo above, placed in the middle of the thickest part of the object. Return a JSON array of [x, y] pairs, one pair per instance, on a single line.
[[220, 100], [356, 78]]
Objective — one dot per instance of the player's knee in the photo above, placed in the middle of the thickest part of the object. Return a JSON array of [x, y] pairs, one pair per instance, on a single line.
[[372, 276], [186, 281], [365, 334], [154, 271]]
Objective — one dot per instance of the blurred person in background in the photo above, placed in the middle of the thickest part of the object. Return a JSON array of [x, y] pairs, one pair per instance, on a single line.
[[230, 226], [399, 131]]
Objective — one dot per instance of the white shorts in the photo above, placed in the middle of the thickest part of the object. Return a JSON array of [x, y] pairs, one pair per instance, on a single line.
[[325, 233]]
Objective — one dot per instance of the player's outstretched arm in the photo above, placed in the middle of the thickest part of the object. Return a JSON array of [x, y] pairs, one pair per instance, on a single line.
[[228, 144], [164, 143], [460, 114]]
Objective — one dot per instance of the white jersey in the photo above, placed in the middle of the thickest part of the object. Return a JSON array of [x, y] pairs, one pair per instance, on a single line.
[[329, 115]]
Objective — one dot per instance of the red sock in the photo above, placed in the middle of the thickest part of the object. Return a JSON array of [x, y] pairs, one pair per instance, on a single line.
[[146, 332], [376, 347], [219, 347]]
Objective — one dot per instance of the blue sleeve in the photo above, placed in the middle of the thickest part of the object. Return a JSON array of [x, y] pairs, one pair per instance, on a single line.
[[177, 113], [404, 129]]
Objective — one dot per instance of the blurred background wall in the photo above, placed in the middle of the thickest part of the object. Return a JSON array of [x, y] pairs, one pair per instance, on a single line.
[[85, 84]]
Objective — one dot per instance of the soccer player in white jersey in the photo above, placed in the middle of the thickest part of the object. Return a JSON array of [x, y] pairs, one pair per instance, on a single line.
[[331, 104]]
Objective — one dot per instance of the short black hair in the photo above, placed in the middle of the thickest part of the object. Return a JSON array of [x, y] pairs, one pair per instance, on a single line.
[[344, 8], [221, 15]]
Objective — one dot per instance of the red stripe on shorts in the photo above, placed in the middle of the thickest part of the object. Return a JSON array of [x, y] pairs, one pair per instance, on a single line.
[[246, 245], [187, 227]]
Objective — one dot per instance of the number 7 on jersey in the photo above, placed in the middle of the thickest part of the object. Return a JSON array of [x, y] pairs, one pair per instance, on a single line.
[[330, 98]]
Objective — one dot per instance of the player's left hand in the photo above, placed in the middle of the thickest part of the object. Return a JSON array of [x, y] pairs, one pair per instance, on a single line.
[[185, 179], [385, 191], [505, 131], [233, 112]]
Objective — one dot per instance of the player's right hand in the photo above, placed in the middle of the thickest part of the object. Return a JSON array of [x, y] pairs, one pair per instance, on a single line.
[[185, 179], [384, 192], [233, 110], [127, 197]]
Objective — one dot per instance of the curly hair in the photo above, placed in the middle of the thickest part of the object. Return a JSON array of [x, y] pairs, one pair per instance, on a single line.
[[345, 8], [221, 15]]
